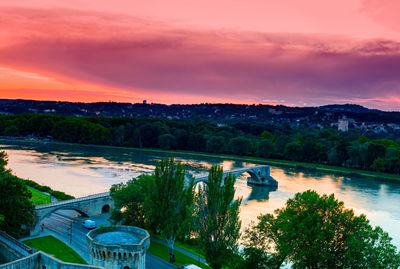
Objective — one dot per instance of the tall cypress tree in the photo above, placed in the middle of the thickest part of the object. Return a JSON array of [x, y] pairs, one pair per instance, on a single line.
[[172, 202], [217, 218]]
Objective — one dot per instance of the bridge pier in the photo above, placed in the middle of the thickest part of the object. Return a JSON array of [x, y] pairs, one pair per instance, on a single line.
[[259, 175], [269, 181]]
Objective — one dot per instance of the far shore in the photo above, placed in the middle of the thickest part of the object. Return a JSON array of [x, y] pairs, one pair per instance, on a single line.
[[292, 164]]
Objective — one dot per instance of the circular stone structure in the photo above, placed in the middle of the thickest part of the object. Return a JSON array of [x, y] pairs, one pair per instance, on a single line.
[[118, 247]]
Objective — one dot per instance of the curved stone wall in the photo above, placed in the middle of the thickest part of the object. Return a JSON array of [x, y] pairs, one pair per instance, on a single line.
[[117, 255]]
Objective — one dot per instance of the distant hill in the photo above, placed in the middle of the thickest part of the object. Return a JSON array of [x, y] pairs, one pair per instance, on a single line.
[[318, 117], [348, 108]]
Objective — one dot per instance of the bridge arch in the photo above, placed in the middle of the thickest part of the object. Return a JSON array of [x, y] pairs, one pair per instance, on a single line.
[[105, 209], [259, 175], [253, 175], [80, 210], [87, 206]]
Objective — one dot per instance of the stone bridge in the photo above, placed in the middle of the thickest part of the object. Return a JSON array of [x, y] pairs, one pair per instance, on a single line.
[[87, 206], [259, 175]]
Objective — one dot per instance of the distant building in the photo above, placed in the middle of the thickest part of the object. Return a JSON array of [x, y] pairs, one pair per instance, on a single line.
[[144, 102], [343, 124]]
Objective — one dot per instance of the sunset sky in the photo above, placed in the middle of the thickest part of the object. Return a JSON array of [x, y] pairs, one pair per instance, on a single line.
[[292, 52]]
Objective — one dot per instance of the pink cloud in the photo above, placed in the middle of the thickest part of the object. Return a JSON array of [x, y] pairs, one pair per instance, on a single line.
[[383, 12], [124, 52]]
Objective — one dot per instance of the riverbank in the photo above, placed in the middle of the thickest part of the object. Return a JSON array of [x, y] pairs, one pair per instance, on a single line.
[[38, 197], [284, 163]]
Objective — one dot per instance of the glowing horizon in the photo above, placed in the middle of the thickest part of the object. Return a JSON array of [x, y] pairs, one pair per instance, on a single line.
[[188, 52]]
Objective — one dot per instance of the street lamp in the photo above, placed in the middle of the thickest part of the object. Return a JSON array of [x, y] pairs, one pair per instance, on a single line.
[[70, 232]]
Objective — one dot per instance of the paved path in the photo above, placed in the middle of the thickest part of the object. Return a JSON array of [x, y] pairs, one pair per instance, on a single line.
[[187, 253]]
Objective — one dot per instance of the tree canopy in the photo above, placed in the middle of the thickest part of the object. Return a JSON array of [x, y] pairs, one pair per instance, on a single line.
[[131, 200], [15, 207], [314, 231], [361, 150], [217, 218], [171, 201]]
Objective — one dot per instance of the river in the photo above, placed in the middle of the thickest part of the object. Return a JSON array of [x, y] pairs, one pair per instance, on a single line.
[[82, 170]]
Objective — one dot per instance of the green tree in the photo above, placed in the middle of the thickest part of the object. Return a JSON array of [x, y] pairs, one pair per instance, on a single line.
[[11, 130], [216, 144], [374, 151], [265, 148], [315, 231], [217, 218], [181, 138], [266, 135], [119, 134], [280, 145], [240, 145], [3, 160], [379, 165], [167, 141], [131, 201], [15, 206], [148, 133], [341, 151], [171, 202], [294, 151]]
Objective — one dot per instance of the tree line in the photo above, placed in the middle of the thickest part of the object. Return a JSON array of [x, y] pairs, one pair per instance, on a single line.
[[311, 231], [354, 149]]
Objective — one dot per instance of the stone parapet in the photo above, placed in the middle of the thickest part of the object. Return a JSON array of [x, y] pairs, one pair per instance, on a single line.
[[117, 252], [45, 261]]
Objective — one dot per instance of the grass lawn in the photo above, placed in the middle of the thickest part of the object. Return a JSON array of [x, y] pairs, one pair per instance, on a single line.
[[191, 248], [56, 248], [39, 198], [162, 252]]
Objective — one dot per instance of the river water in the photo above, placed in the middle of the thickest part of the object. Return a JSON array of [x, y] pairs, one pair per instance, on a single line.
[[82, 170]]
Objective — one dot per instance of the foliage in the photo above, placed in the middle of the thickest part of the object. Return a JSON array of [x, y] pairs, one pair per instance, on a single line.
[[131, 201], [315, 231], [216, 144], [16, 209], [171, 203], [15, 204], [278, 141], [217, 218], [265, 148], [3, 161], [166, 141], [59, 195], [105, 229], [73, 129], [240, 145]]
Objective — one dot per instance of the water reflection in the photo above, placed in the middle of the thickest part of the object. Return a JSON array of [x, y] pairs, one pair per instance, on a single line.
[[260, 193], [82, 170]]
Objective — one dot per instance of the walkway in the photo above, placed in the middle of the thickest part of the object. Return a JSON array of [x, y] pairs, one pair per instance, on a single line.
[[183, 251]]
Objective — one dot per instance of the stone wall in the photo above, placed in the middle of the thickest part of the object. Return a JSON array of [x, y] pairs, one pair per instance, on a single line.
[[11, 249], [41, 260]]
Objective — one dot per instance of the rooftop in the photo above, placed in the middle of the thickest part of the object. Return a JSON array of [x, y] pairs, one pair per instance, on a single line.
[[119, 237]]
